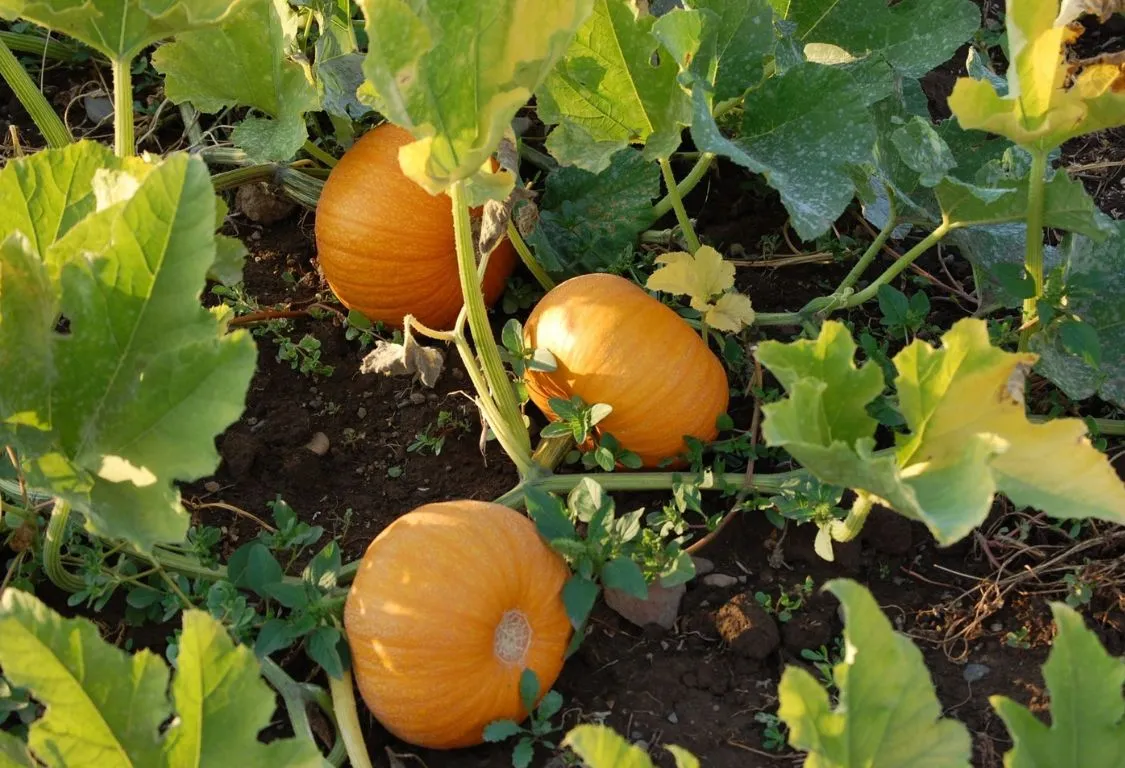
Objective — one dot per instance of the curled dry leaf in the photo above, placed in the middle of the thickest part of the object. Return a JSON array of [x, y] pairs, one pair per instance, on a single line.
[[408, 358], [494, 220]]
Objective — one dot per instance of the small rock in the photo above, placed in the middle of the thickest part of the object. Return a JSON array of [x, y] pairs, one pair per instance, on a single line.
[[212, 487], [720, 580], [319, 444], [98, 107], [417, 398], [747, 628], [262, 203], [996, 626], [673, 718], [361, 412], [974, 672], [703, 566], [661, 608]]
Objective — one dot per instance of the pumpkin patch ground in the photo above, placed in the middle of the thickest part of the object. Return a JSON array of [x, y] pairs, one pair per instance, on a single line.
[[798, 320]]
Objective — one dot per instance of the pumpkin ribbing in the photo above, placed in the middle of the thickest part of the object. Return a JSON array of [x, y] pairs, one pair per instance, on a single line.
[[386, 246], [451, 603], [616, 344]]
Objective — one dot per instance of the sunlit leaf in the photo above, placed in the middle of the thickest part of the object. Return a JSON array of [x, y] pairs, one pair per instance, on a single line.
[[606, 94], [599, 746], [254, 45], [107, 708], [454, 72], [112, 411], [1047, 102], [730, 312], [970, 434], [1087, 706], [119, 28], [702, 276], [887, 715]]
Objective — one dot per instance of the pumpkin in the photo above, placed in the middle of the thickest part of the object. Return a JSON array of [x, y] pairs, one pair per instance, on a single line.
[[386, 246], [616, 344], [451, 603]]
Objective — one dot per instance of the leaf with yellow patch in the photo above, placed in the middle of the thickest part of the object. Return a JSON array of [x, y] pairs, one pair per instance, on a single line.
[[969, 388], [1047, 101], [970, 434], [454, 73]]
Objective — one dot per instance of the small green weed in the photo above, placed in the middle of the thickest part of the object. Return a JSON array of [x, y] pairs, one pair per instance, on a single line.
[[539, 728]]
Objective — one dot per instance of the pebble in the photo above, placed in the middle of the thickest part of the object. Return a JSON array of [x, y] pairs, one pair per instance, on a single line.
[[673, 718], [212, 487], [703, 566], [361, 412], [417, 398], [720, 580], [974, 672], [997, 627]]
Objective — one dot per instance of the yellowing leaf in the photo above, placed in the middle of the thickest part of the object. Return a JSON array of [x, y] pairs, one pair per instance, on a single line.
[[970, 388], [1047, 102], [970, 436], [701, 276], [730, 313], [454, 73]]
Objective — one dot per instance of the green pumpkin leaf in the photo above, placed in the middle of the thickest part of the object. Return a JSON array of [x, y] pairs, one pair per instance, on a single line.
[[589, 222], [744, 39], [254, 45], [106, 708], [915, 36], [119, 28], [887, 715], [924, 151], [801, 130], [454, 72], [1101, 268], [606, 94], [111, 412], [578, 595], [1087, 707], [1045, 104], [623, 574], [971, 437]]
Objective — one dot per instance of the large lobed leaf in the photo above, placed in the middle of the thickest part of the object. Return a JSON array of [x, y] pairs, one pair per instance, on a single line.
[[107, 708], [587, 221], [970, 434], [119, 28], [454, 72], [1046, 102], [1101, 268], [605, 93], [1087, 706], [887, 716], [915, 36], [126, 400], [253, 45]]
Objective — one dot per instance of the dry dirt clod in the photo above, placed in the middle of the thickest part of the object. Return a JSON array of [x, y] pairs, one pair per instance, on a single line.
[[747, 628], [260, 203]]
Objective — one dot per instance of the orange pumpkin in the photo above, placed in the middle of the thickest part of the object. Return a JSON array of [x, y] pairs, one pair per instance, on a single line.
[[451, 603], [386, 246], [616, 344]]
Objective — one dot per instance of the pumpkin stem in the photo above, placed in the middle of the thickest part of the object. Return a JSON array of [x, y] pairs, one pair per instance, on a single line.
[[529, 261], [347, 719], [497, 393], [678, 206]]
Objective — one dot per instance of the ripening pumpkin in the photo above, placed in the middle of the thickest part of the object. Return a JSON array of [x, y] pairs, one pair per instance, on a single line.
[[451, 603], [386, 246], [616, 344]]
